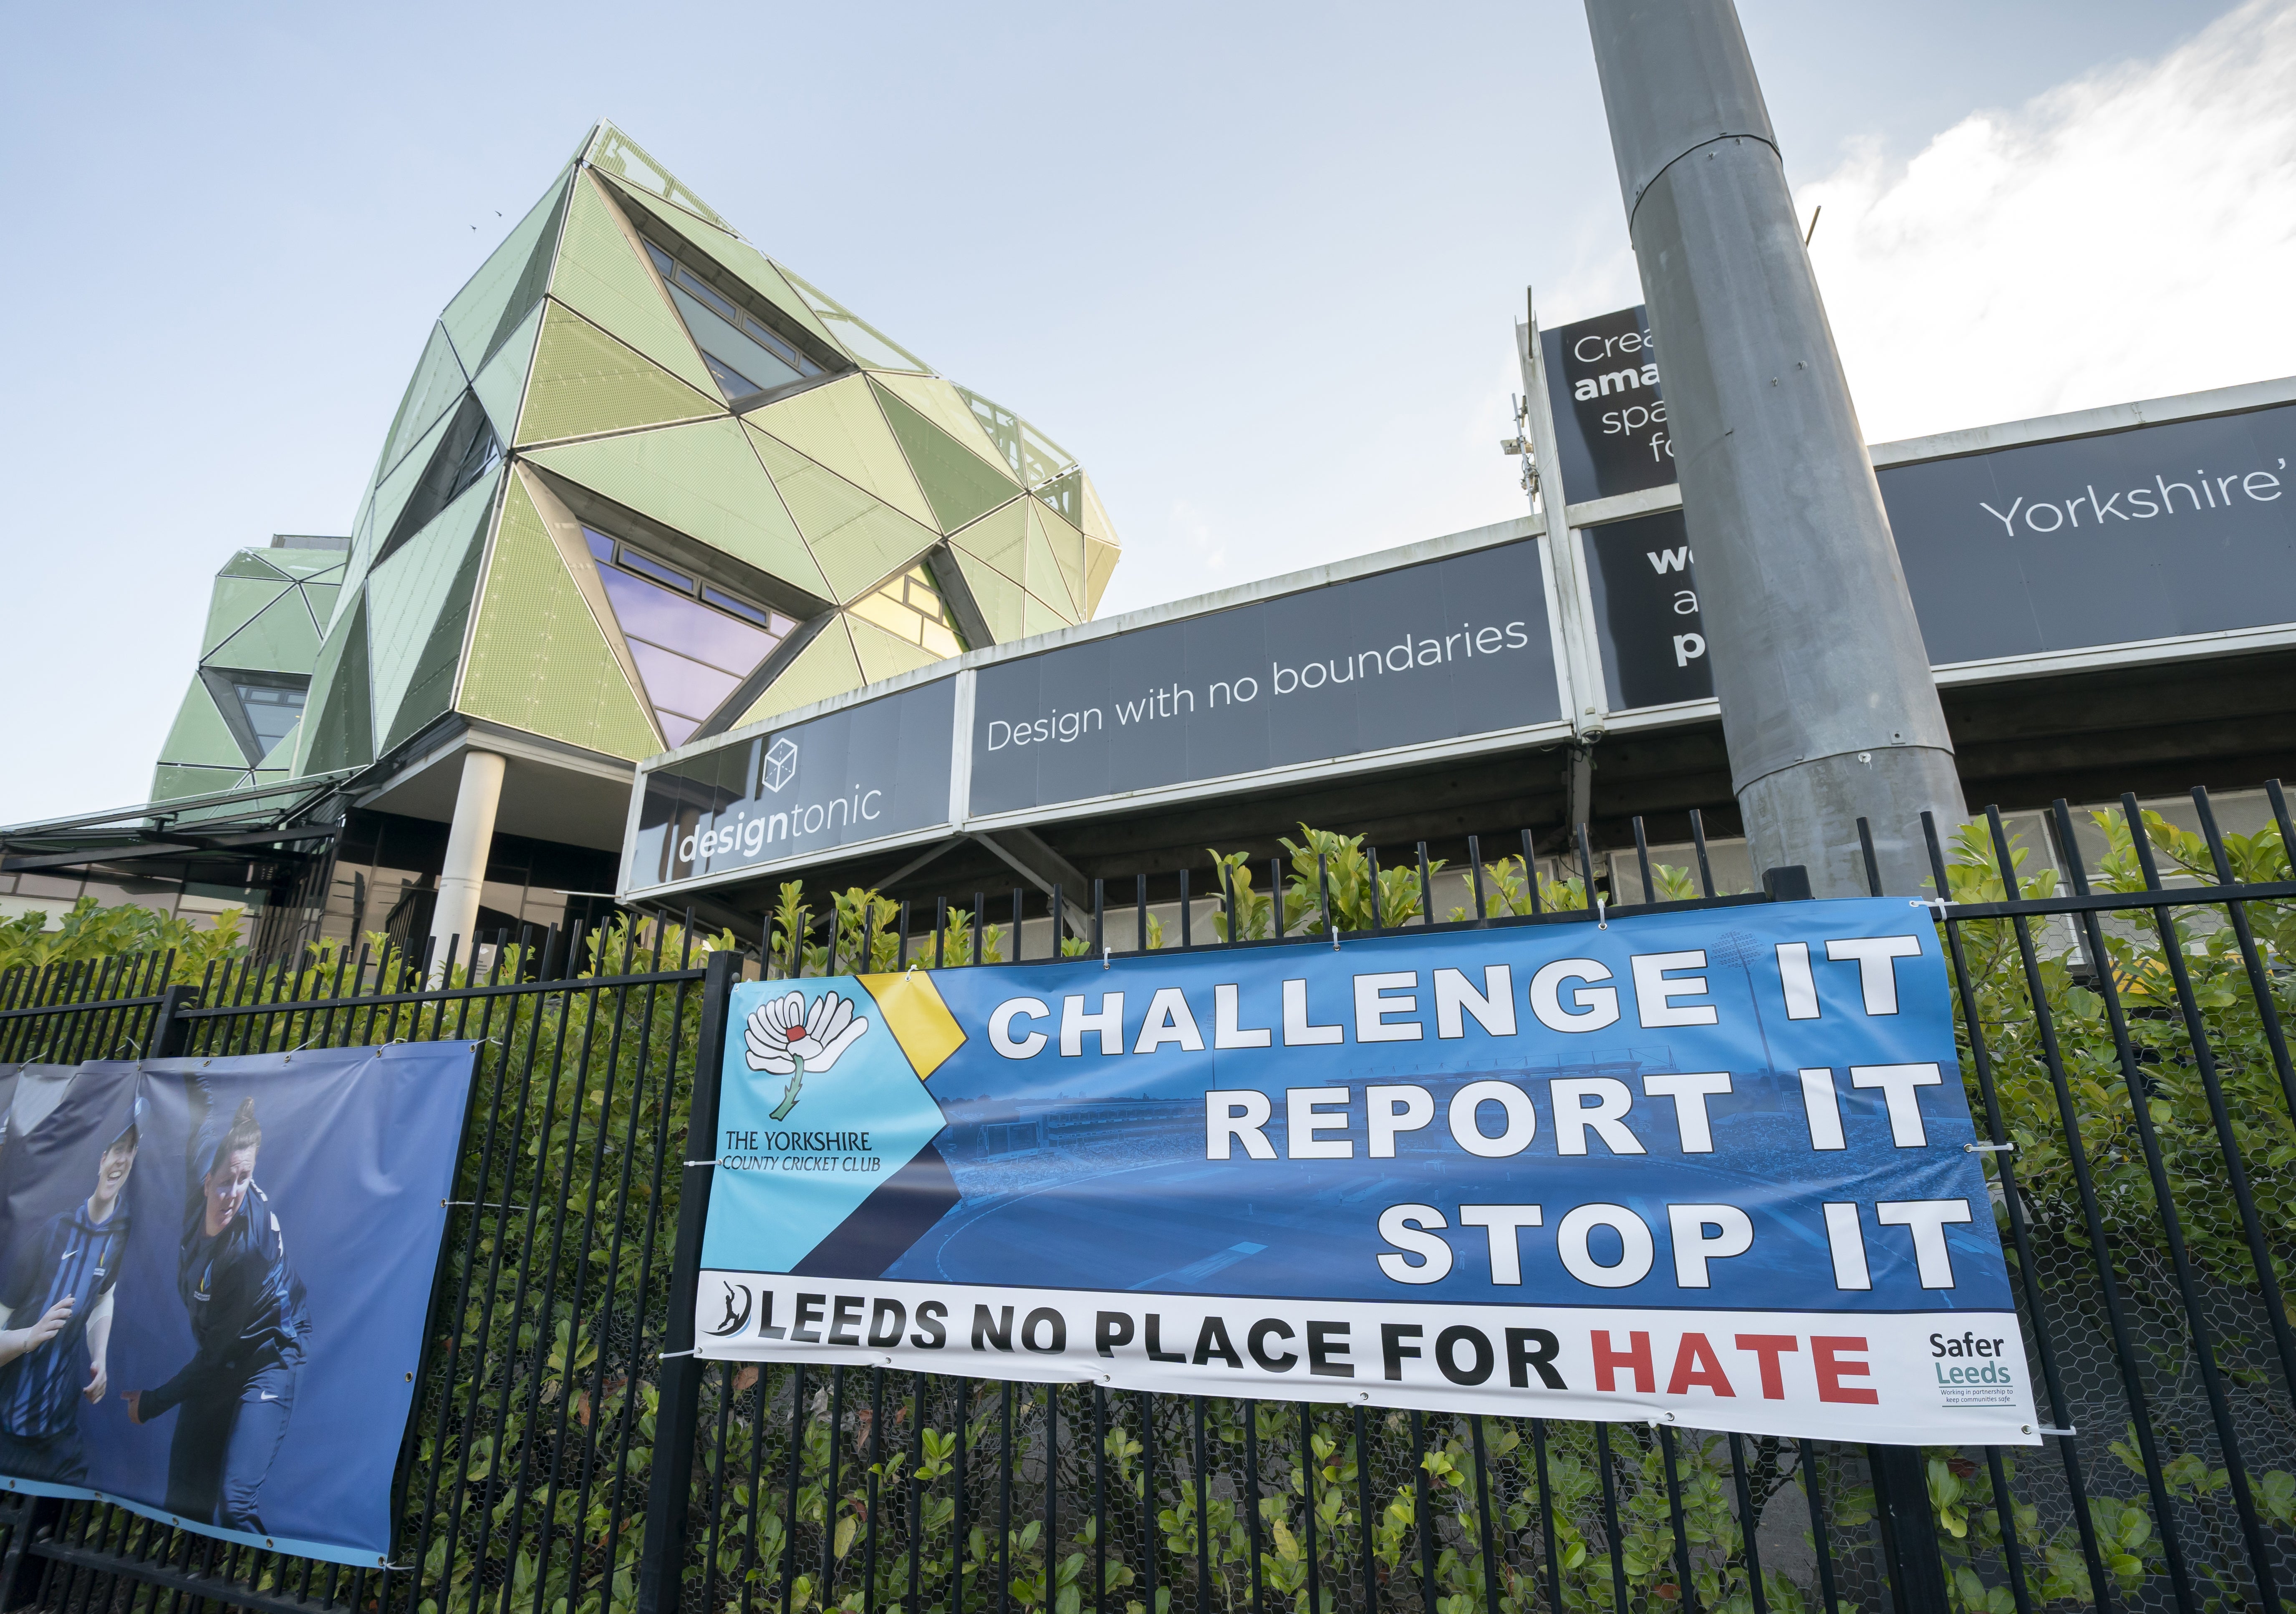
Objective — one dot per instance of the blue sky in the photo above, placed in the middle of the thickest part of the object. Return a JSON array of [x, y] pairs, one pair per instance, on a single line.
[[1255, 266]]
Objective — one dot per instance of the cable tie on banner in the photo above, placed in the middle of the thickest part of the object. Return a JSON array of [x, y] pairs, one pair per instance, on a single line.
[[1602, 915], [480, 1205], [1985, 1148], [1107, 953], [2062, 1434], [664, 1355], [1939, 903], [710, 1162]]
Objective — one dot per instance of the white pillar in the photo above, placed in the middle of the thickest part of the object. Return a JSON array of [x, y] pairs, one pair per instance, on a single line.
[[468, 842]]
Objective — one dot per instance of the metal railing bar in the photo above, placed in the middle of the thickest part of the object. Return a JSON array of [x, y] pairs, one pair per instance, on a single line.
[[2106, 902], [2020, 1232], [229, 1593], [90, 1008], [2125, 1351], [580, 983]]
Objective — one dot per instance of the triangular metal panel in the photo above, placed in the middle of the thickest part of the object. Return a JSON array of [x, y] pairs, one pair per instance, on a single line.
[[247, 564], [430, 686], [841, 427], [236, 602], [538, 659], [439, 381], [391, 495], [1040, 618], [509, 283], [1095, 522], [169, 780], [321, 598], [939, 402], [858, 540], [342, 734], [1099, 565], [999, 597], [1044, 576], [586, 383], [702, 479], [501, 385], [1000, 537], [601, 275], [959, 484], [826, 667], [311, 565], [281, 757], [200, 736], [281, 638], [403, 598], [1067, 550]]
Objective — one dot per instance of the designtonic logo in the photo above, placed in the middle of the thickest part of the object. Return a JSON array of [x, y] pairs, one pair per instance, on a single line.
[[781, 764], [784, 1038]]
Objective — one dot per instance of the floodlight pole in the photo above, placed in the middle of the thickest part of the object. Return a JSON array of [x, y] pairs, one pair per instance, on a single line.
[[1829, 711]]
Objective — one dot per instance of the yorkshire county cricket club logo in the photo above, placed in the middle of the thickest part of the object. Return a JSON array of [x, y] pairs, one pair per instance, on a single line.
[[826, 1096], [786, 1038]]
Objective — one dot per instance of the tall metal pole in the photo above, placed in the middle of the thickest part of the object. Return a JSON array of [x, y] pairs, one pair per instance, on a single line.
[[1828, 708]]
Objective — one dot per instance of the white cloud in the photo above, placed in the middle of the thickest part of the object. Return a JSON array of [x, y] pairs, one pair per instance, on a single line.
[[2131, 234]]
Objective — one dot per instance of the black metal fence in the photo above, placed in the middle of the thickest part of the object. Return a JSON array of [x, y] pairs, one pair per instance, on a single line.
[[2125, 1051], [523, 1479]]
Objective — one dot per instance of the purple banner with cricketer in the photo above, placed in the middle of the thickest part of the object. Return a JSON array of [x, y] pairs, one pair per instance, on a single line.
[[1713, 1168], [214, 1275]]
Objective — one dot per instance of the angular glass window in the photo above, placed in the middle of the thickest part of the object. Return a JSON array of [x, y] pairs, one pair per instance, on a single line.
[[744, 352], [911, 606], [258, 708], [467, 451], [270, 712], [694, 643]]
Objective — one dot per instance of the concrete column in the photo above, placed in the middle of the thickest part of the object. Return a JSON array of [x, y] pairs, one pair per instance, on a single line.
[[468, 842], [1828, 707]]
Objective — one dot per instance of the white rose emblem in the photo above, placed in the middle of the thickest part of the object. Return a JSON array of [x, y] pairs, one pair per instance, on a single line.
[[785, 1039]]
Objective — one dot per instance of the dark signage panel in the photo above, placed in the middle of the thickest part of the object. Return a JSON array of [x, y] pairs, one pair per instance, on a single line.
[[2184, 527], [2188, 526], [1609, 420], [1429, 653], [876, 769], [1646, 612]]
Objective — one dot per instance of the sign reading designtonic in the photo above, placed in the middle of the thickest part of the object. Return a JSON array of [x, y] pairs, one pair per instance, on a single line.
[[1711, 1169], [857, 775], [1425, 653]]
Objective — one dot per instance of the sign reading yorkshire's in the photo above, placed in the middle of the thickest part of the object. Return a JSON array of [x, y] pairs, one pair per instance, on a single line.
[[1709, 1168]]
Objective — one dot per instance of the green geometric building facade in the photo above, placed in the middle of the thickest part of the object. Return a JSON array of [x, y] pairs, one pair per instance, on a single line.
[[242, 715], [647, 484]]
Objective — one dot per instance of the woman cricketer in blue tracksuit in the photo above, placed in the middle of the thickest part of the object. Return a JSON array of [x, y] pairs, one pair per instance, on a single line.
[[235, 1396]]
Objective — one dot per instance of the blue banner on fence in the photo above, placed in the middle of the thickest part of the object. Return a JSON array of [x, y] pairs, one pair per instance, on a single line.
[[1712, 1167], [216, 1274]]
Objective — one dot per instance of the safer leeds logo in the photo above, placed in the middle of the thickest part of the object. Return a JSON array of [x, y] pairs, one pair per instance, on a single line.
[[785, 1039]]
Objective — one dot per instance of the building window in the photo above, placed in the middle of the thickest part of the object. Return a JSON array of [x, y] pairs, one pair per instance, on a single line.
[[693, 643], [270, 711], [744, 352], [912, 607]]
